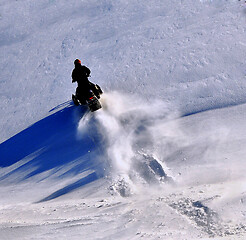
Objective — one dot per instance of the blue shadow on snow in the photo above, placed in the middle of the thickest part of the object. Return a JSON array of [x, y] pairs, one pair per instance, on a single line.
[[53, 144]]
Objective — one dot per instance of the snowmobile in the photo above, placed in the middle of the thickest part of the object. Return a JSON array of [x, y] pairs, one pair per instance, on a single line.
[[91, 99]]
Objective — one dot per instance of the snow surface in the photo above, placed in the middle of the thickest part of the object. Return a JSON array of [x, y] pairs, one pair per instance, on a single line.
[[163, 159]]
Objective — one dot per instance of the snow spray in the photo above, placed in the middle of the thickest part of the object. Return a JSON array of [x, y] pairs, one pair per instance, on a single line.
[[134, 128]]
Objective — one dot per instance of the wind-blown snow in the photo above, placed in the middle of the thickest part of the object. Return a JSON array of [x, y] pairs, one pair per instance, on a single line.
[[163, 158]]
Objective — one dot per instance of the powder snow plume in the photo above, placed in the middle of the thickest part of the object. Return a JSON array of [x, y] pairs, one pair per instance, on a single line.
[[136, 136], [147, 142]]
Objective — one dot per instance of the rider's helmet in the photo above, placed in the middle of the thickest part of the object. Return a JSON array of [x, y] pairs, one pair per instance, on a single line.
[[77, 61]]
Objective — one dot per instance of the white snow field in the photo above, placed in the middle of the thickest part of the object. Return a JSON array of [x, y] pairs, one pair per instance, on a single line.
[[165, 156]]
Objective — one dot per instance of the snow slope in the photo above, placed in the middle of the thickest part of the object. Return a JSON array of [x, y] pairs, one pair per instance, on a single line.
[[163, 159]]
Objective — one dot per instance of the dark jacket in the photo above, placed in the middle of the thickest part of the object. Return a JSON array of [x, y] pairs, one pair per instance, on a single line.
[[80, 75]]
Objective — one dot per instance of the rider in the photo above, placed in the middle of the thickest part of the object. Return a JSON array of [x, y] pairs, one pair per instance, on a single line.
[[80, 75]]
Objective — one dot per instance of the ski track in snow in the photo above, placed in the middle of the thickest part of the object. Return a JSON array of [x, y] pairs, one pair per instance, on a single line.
[[163, 158]]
